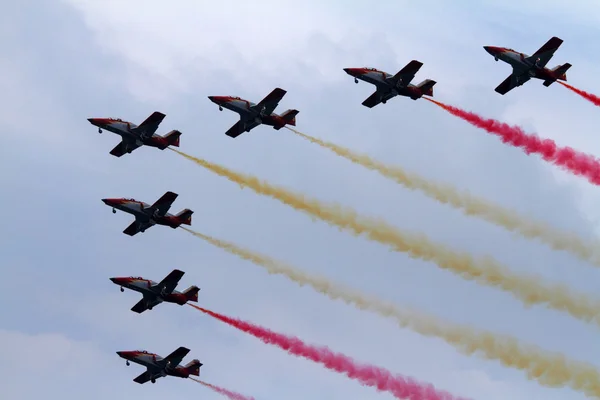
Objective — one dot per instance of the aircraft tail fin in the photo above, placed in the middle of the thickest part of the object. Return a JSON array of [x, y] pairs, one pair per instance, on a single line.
[[193, 367], [191, 293], [173, 138], [185, 216], [427, 87], [559, 72], [289, 116]]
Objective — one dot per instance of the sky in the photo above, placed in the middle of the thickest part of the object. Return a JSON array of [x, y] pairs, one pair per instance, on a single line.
[[66, 61]]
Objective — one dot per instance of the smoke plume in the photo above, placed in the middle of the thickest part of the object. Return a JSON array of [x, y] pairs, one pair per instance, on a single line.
[[548, 368]]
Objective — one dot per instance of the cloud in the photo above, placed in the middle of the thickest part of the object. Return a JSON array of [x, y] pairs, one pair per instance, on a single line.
[[67, 62]]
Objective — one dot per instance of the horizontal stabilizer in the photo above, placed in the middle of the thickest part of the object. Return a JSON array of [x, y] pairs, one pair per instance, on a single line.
[[193, 367], [427, 87], [185, 216], [561, 71], [289, 116], [173, 138], [191, 293]]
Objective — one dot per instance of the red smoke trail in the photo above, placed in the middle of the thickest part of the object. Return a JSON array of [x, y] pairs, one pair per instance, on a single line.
[[231, 395], [588, 96], [565, 157], [401, 387]]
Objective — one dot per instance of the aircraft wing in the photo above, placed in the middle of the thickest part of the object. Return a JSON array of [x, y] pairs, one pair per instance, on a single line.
[[240, 127], [175, 357], [376, 98], [511, 82], [170, 281], [143, 377], [139, 308], [144, 304], [164, 203], [150, 124], [121, 148], [407, 73], [136, 227], [546, 52], [271, 101]]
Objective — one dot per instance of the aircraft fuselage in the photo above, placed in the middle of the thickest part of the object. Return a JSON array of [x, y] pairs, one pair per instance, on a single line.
[[125, 130], [151, 361], [382, 80], [520, 62], [140, 210], [145, 286], [245, 110]]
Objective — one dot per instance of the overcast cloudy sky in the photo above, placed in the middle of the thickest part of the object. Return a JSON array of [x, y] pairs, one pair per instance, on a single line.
[[66, 61]]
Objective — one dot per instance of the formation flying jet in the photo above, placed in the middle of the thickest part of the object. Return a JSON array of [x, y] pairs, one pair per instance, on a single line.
[[388, 86], [134, 136], [526, 67], [155, 293], [148, 215], [158, 367], [252, 115]]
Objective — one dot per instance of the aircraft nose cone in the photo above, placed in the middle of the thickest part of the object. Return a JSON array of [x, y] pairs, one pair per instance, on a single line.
[[127, 354], [114, 280], [351, 71], [490, 49], [110, 202], [218, 99]]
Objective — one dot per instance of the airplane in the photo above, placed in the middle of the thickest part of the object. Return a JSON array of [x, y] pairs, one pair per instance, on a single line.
[[134, 136], [155, 293], [389, 86], [252, 115], [158, 367], [148, 215], [526, 67]]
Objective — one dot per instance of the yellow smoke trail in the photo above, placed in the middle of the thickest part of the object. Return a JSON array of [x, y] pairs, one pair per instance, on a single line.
[[548, 368], [471, 205], [529, 289]]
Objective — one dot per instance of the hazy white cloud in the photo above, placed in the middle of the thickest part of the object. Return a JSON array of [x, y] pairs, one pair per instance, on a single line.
[[73, 60]]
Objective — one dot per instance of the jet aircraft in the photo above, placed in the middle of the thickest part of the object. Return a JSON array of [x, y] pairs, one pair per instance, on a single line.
[[155, 293], [158, 367], [526, 67], [148, 215], [134, 136], [388, 86], [252, 115]]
